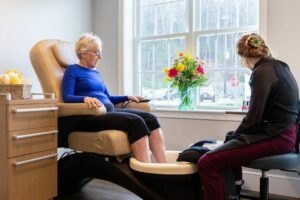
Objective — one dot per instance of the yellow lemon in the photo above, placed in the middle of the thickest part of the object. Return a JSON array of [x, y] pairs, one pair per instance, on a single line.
[[4, 79], [12, 72], [15, 79]]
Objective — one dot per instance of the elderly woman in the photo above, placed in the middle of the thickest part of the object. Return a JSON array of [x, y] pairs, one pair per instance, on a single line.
[[83, 83], [269, 127]]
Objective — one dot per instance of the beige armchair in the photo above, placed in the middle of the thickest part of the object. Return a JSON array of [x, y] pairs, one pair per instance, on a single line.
[[49, 59]]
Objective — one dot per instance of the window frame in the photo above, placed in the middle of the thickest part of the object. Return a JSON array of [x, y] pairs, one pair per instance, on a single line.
[[127, 50]]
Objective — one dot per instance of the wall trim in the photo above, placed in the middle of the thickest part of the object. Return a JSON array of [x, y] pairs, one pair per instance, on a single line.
[[215, 115]]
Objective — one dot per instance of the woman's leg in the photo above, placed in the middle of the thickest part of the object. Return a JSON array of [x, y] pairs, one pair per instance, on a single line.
[[140, 149], [157, 145], [132, 124], [212, 164], [156, 139]]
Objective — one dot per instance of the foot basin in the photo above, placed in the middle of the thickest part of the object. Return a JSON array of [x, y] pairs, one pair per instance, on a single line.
[[171, 168], [172, 180]]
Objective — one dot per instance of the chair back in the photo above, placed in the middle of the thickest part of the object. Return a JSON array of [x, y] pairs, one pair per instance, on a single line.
[[49, 59]]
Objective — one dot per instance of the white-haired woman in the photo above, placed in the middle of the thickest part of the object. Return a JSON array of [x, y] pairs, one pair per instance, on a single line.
[[83, 83]]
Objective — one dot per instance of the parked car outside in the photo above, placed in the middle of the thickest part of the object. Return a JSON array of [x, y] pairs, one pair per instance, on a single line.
[[207, 93], [170, 94]]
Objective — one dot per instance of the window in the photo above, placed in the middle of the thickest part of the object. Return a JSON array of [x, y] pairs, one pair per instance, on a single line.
[[204, 28]]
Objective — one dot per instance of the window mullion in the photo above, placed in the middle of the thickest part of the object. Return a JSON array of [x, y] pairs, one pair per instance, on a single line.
[[190, 36]]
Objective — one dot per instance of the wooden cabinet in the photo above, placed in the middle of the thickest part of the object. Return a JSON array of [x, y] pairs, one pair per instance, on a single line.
[[28, 149]]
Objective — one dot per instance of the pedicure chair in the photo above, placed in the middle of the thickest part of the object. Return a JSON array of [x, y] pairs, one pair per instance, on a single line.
[[106, 154]]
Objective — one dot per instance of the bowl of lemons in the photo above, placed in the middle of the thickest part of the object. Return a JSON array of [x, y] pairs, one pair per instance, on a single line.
[[13, 82]]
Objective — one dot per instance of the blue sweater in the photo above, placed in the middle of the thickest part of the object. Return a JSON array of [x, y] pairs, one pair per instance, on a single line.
[[80, 82]]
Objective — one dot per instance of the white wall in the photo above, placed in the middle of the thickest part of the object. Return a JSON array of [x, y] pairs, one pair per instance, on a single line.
[[105, 25], [23, 23], [284, 31], [182, 131]]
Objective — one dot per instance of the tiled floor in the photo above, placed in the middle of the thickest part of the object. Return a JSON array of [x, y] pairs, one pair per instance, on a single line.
[[103, 190]]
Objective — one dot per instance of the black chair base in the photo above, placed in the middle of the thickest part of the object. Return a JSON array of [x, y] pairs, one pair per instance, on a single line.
[[76, 170], [264, 189]]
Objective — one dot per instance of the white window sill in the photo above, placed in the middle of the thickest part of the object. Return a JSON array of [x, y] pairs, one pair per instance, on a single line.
[[216, 115]]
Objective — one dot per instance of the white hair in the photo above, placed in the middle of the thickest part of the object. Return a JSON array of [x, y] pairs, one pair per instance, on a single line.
[[86, 42]]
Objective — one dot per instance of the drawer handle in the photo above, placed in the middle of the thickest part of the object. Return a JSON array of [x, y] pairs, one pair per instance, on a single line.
[[18, 163], [51, 95], [17, 137], [24, 110]]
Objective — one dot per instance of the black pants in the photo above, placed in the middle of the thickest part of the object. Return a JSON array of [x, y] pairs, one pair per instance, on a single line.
[[135, 122]]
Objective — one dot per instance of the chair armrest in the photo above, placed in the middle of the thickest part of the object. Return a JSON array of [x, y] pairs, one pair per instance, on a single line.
[[144, 106], [69, 109]]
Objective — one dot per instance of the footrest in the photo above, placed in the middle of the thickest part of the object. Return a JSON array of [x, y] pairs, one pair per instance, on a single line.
[[171, 168]]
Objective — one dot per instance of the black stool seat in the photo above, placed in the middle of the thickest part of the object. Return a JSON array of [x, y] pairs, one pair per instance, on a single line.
[[288, 161], [281, 161]]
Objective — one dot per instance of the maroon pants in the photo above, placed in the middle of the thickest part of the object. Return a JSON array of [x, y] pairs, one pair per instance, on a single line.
[[211, 165]]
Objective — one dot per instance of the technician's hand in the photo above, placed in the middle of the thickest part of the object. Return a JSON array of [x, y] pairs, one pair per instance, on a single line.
[[92, 102], [135, 98]]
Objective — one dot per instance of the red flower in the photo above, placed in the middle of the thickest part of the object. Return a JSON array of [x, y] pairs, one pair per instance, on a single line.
[[172, 73], [200, 69]]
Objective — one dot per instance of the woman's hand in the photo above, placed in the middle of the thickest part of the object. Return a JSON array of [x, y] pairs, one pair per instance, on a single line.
[[135, 98], [92, 102]]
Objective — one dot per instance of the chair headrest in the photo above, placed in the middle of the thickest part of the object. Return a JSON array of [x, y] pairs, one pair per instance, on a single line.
[[64, 53]]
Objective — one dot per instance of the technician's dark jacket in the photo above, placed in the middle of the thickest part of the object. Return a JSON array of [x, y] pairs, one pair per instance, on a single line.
[[274, 103]]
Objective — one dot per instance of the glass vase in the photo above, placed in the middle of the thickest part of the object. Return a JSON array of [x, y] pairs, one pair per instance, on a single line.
[[186, 99]]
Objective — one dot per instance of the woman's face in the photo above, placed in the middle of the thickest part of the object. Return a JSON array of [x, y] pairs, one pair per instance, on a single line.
[[244, 62], [91, 57]]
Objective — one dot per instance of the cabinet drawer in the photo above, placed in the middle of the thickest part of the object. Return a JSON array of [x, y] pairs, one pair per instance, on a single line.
[[31, 141], [33, 177], [31, 116]]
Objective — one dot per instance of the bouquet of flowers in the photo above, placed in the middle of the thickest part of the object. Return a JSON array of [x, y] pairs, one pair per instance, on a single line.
[[184, 74]]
